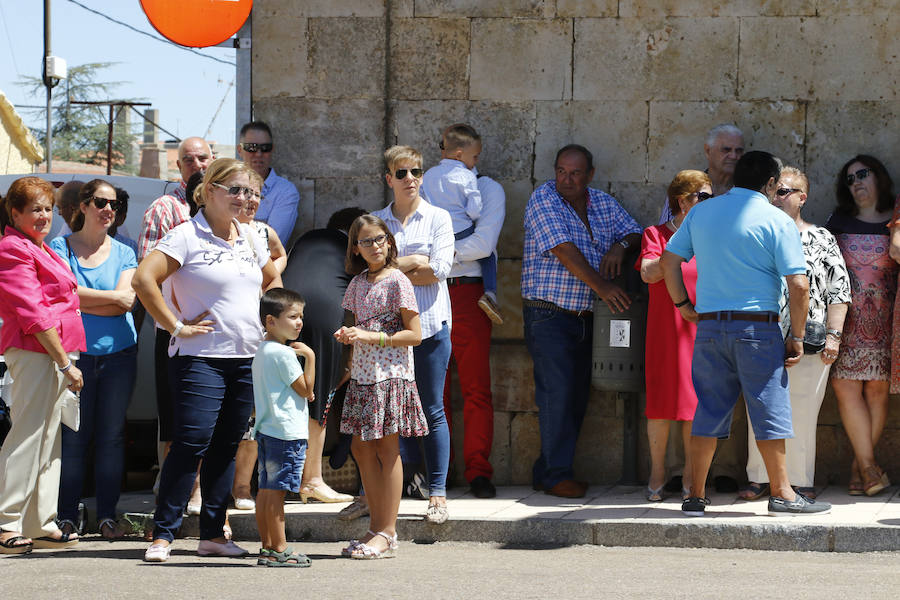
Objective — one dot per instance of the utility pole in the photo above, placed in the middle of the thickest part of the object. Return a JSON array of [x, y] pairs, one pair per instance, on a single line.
[[49, 83], [112, 117]]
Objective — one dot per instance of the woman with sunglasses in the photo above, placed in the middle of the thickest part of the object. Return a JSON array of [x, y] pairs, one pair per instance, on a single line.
[[104, 268], [670, 339], [217, 267], [861, 375]]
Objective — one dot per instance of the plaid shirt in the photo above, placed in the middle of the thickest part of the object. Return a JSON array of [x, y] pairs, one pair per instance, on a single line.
[[163, 214], [551, 221]]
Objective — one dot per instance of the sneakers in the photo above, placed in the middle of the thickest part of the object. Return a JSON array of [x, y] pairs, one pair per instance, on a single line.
[[157, 553], [779, 507], [694, 506], [244, 503], [228, 550], [490, 308]]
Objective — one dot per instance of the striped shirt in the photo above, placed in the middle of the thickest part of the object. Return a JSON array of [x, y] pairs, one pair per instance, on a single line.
[[551, 221], [428, 231], [163, 214]]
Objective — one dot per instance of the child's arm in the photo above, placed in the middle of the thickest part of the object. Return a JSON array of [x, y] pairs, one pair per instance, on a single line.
[[303, 385], [473, 197], [411, 334]]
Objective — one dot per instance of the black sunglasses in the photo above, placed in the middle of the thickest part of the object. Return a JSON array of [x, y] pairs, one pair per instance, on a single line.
[[235, 190], [782, 192], [401, 173], [367, 242], [701, 196], [116, 205], [253, 148], [861, 174]]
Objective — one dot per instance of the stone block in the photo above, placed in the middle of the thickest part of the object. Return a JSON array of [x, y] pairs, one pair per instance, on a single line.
[[827, 8], [512, 380], [643, 201], [678, 130], [874, 127], [524, 445], [587, 8], [710, 534], [514, 59], [429, 59], [346, 58], [598, 453], [507, 132], [279, 56], [826, 58], [867, 539], [333, 194], [354, 130], [715, 8], [322, 8], [480, 8], [403, 9], [615, 132], [513, 233], [509, 293], [676, 58]]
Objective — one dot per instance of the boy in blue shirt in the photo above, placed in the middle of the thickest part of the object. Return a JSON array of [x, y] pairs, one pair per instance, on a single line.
[[280, 391]]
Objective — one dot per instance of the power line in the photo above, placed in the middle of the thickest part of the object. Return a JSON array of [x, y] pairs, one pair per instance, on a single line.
[[149, 120], [150, 35]]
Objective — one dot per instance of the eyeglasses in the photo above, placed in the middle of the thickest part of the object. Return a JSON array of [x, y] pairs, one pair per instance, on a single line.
[[367, 242], [235, 190], [253, 148], [861, 174], [401, 173], [701, 196], [116, 205], [782, 192]]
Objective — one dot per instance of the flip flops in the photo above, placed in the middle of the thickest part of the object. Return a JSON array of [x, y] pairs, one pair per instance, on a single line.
[[654, 495], [11, 545], [754, 491], [51, 543]]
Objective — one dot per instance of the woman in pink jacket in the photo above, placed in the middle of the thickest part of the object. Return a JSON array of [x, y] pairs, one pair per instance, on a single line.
[[40, 340]]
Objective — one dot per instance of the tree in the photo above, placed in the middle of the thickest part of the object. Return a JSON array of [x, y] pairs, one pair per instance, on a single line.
[[80, 132]]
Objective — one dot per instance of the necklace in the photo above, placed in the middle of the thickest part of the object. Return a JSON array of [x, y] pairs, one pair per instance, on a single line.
[[674, 226]]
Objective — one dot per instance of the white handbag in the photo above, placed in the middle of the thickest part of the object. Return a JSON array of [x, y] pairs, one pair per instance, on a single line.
[[71, 410]]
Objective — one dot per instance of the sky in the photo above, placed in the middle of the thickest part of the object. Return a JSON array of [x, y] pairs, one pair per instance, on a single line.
[[186, 88]]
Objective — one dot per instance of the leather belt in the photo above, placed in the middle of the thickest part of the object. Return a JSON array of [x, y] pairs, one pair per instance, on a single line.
[[739, 315], [451, 281], [555, 307]]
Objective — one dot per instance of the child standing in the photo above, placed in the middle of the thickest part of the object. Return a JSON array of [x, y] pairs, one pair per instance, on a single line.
[[452, 184], [280, 390], [382, 402]]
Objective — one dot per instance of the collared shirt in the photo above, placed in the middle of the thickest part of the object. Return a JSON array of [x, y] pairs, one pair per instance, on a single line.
[[452, 186], [279, 205], [744, 247], [487, 231], [550, 221], [428, 231], [163, 214]]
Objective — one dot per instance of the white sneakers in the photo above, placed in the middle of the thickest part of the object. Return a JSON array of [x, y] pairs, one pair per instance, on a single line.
[[160, 553], [157, 553]]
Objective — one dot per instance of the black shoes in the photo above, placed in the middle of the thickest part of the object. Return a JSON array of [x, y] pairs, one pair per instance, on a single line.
[[482, 487]]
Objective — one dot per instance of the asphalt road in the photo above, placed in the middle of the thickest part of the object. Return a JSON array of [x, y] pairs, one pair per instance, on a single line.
[[97, 569]]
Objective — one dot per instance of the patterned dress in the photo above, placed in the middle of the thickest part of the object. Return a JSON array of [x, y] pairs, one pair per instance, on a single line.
[[865, 353], [382, 398]]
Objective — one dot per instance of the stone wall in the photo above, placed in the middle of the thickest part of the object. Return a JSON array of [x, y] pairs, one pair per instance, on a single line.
[[637, 81]]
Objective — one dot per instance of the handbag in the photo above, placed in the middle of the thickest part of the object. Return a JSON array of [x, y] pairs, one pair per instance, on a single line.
[[71, 410], [814, 340]]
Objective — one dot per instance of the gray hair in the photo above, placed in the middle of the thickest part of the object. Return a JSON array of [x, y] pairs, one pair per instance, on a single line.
[[724, 128]]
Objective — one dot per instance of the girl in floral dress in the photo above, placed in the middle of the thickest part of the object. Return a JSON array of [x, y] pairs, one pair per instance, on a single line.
[[382, 402]]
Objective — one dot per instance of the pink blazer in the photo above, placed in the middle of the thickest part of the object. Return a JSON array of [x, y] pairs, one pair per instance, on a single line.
[[37, 291]]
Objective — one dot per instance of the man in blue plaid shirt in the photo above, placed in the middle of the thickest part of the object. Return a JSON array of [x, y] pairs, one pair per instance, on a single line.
[[575, 241]]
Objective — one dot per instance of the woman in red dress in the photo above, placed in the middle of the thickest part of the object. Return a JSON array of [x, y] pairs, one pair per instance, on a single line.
[[670, 339]]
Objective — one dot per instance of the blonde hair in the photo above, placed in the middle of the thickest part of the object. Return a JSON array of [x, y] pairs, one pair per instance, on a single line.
[[396, 154], [256, 180], [685, 183], [218, 171], [798, 174]]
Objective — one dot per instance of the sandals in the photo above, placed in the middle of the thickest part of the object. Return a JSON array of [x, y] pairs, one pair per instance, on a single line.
[[46, 542], [875, 480], [115, 532], [353, 545], [14, 545], [855, 488], [654, 495], [366, 552], [754, 491], [284, 559]]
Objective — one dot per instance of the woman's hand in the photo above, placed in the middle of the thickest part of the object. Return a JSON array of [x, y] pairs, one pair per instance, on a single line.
[[196, 326], [830, 353], [76, 380], [350, 335], [124, 299]]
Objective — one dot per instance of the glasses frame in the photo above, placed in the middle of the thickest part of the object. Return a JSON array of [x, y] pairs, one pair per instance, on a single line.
[[785, 192], [859, 174], [402, 173], [100, 203], [253, 147], [378, 240], [241, 190]]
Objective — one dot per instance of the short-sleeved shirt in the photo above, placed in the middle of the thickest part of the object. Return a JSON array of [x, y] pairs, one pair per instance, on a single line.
[[550, 221], [744, 247], [105, 335], [280, 411], [454, 187], [222, 279]]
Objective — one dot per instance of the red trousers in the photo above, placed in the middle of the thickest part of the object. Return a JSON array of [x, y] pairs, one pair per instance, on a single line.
[[470, 337]]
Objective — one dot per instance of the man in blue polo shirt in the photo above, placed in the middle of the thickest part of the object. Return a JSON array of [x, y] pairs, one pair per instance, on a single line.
[[745, 248]]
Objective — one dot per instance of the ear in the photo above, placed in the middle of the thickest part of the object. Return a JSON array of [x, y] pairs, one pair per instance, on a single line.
[[269, 320], [389, 179]]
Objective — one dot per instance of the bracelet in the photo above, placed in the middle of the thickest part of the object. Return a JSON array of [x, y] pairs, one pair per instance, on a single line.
[[178, 327], [65, 368], [834, 333], [682, 303], [381, 337], [795, 338]]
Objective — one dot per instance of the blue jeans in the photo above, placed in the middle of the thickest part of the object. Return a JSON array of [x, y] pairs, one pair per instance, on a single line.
[[213, 401], [560, 348], [488, 264], [108, 382], [431, 358], [280, 463]]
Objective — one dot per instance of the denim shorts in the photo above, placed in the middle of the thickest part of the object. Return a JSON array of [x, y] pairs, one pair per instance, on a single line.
[[280, 463], [731, 357]]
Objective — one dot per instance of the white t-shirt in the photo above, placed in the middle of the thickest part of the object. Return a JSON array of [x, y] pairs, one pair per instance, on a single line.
[[222, 279], [280, 412]]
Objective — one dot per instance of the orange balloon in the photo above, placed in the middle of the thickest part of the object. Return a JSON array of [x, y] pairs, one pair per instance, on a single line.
[[197, 23]]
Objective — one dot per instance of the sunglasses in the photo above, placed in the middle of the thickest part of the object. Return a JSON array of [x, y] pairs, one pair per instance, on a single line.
[[367, 242], [861, 174], [116, 205], [782, 192], [235, 190], [253, 148], [701, 196], [401, 173]]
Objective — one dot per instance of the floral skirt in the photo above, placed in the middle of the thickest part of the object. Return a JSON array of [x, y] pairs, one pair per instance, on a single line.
[[374, 411]]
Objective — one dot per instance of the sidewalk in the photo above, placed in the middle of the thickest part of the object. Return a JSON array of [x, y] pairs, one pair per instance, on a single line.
[[608, 516]]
